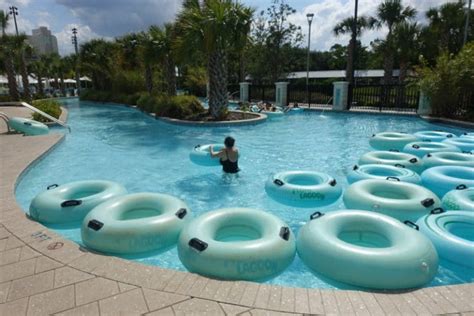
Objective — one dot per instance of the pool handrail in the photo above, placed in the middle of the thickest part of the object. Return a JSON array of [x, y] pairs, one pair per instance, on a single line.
[[32, 108]]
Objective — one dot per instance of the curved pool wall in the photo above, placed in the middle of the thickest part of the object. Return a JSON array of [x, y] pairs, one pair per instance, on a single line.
[[122, 144]]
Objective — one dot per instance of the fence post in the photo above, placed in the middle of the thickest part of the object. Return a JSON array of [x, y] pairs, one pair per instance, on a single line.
[[424, 106], [244, 91], [281, 93], [340, 95]]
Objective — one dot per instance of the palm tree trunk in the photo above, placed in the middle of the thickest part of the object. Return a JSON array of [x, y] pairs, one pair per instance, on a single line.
[[149, 78], [12, 84], [170, 77], [40, 83], [217, 85], [388, 66], [63, 88], [24, 78], [349, 66]]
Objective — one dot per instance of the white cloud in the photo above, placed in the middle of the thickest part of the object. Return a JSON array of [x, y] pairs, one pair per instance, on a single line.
[[117, 17], [84, 34], [330, 12]]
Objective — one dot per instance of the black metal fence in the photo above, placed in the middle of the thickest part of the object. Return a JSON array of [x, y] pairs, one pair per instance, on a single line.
[[320, 94], [262, 92], [400, 98]]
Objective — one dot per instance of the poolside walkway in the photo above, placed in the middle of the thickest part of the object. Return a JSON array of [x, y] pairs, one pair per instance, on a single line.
[[42, 273]]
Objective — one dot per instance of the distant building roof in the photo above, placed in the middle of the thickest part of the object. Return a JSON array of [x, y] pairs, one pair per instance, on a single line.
[[323, 74]]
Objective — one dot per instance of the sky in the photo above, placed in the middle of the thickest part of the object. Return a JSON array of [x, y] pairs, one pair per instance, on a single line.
[[110, 18]]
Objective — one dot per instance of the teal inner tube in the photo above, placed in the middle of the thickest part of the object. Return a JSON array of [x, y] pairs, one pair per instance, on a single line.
[[462, 198], [367, 249], [135, 223], [391, 140], [466, 144], [400, 200], [392, 158], [452, 233], [433, 136], [420, 149], [237, 244], [201, 155], [448, 159], [471, 135], [27, 126], [70, 202], [386, 172], [443, 179], [303, 188]]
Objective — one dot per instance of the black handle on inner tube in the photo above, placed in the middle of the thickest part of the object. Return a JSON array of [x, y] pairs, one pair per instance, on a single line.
[[427, 202], [197, 146], [461, 187], [394, 150], [278, 182], [449, 135], [412, 225], [27, 123], [415, 146], [399, 165], [285, 233], [181, 213], [52, 186], [393, 178], [71, 203], [315, 215], [413, 160], [437, 210], [355, 167], [95, 224], [197, 244], [333, 182], [428, 155]]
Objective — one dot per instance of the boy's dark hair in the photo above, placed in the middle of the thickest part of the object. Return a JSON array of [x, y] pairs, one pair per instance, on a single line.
[[229, 142]]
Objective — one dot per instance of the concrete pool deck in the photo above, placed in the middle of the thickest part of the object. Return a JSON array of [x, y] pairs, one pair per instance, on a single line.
[[43, 273]]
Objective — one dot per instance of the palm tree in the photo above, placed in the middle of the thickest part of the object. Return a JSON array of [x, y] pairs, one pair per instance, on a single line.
[[213, 27], [345, 27], [6, 50], [447, 24], [406, 38], [96, 60], [390, 13]]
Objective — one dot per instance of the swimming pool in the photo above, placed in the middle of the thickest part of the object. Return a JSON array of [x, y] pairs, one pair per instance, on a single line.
[[122, 144]]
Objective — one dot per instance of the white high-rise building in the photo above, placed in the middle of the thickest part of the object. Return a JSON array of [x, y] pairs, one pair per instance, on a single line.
[[43, 42]]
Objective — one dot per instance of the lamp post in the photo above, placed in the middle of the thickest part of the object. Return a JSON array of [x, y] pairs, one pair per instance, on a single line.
[[14, 12], [466, 27], [309, 16], [74, 42]]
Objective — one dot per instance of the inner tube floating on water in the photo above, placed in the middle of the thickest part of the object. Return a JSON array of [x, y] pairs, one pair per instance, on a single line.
[[448, 159], [420, 149], [443, 179], [367, 249], [392, 158], [400, 200], [466, 144], [135, 223], [374, 171], [201, 155], [70, 202], [273, 114], [452, 233], [303, 188], [460, 199], [237, 244], [391, 140], [27, 126], [433, 136], [471, 135]]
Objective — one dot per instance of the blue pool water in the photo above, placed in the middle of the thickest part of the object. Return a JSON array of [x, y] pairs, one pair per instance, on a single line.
[[124, 145]]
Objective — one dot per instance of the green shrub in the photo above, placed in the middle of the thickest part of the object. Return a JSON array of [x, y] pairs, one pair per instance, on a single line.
[[128, 82], [450, 83], [51, 107]]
